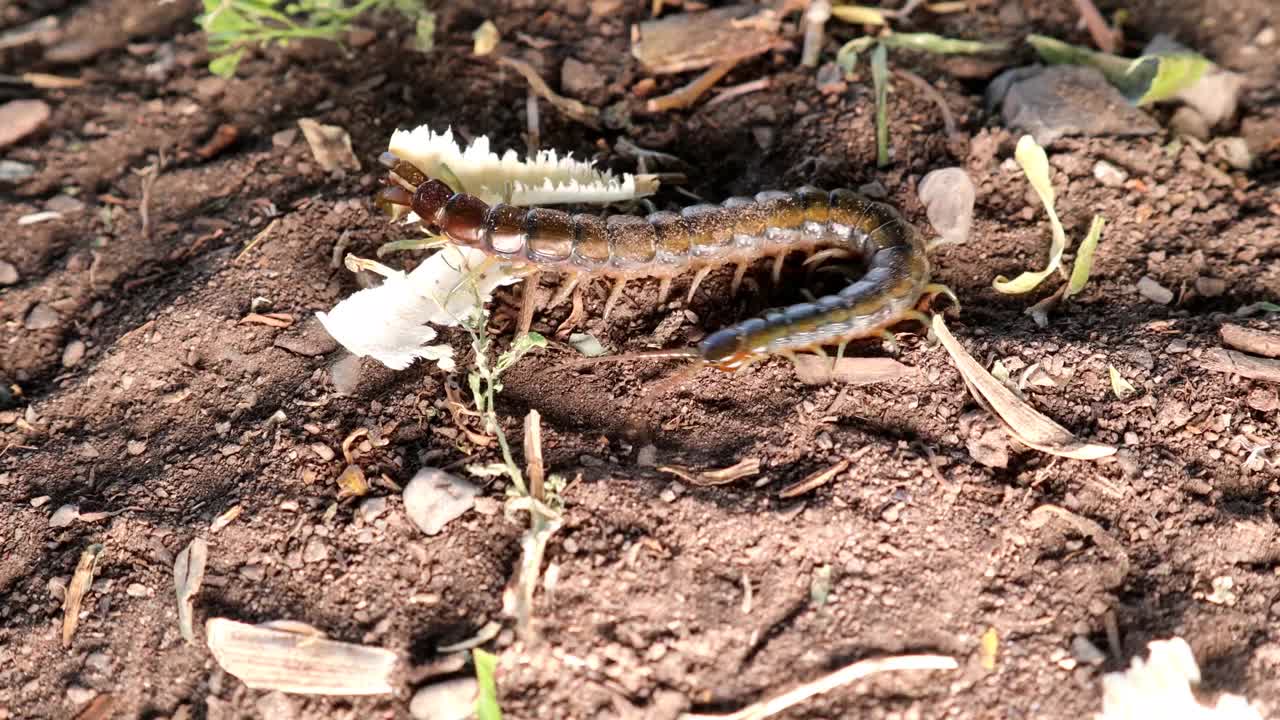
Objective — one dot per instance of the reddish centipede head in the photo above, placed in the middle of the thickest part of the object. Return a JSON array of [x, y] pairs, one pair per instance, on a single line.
[[724, 350], [428, 200]]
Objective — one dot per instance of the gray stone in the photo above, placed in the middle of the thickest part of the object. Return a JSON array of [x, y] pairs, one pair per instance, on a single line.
[[372, 508], [345, 374], [12, 171], [73, 353], [20, 118], [8, 273], [580, 80], [315, 550], [433, 498], [41, 317], [1068, 100], [449, 700]]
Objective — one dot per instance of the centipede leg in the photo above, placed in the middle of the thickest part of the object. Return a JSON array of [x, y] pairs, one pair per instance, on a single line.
[[738, 273], [528, 296], [778, 261], [924, 320], [565, 290], [933, 290], [827, 254], [613, 296], [664, 289], [697, 280], [890, 342], [839, 355]]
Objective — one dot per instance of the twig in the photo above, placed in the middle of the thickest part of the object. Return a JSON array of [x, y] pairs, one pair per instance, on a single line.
[[814, 481], [826, 683], [730, 93], [1230, 361], [815, 21], [579, 111], [257, 238], [1257, 342], [948, 120], [149, 175], [1098, 28], [533, 454], [689, 94]]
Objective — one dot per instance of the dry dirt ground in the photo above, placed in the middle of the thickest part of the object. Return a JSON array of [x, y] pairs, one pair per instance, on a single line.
[[177, 412]]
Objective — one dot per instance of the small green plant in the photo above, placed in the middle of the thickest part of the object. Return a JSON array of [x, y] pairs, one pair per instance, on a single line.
[[487, 707], [234, 25]]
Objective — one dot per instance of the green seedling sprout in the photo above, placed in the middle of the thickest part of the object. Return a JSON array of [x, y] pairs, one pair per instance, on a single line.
[[487, 707], [1144, 80]]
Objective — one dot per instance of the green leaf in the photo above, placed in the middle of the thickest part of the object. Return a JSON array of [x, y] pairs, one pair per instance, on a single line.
[[586, 344], [225, 20], [859, 14], [847, 57], [1144, 80], [929, 42], [225, 65], [880, 78], [1084, 258], [1035, 165], [487, 707], [424, 32]]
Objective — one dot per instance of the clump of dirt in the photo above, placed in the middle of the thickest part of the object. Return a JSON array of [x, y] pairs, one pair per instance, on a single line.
[[138, 394]]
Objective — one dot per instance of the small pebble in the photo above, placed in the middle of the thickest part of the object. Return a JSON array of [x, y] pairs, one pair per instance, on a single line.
[[12, 171], [1210, 287], [1154, 291], [344, 373], [20, 118], [73, 353], [1109, 174], [137, 590], [1178, 345], [98, 662], [1188, 122], [276, 706], [948, 196], [8, 273], [1235, 151], [64, 516], [315, 550], [80, 695], [65, 204], [433, 498], [580, 80], [135, 447], [372, 508], [1086, 652], [41, 317], [647, 456], [324, 452], [449, 700], [667, 495]]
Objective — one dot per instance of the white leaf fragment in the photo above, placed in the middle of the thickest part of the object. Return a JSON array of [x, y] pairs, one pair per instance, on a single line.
[[546, 179], [392, 322], [298, 660], [188, 576], [1161, 686]]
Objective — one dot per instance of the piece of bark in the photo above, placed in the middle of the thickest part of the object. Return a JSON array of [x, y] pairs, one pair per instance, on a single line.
[[1230, 361], [1258, 342], [694, 40]]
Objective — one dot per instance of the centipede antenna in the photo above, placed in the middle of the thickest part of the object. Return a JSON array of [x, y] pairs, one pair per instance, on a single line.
[[673, 354]]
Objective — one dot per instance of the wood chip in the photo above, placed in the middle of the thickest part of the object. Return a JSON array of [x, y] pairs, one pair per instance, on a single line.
[[817, 370], [1230, 361], [1025, 423], [222, 138], [814, 481], [279, 320], [100, 708], [687, 95], [330, 145], [1258, 342], [80, 584], [696, 40], [579, 111], [188, 576], [298, 659], [744, 468]]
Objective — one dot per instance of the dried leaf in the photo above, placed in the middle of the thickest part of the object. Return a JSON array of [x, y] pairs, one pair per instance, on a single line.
[[352, 483], [279, 320], [1230, 361], [1026, 424], [695, 40], [274, 659], [485, 38], [1257, 342], [226, 518], [989, 650], [1121, 387], [1035, 165], [188, 575], [817, 370], [1084, 257], [744, 468], [859, 14], [330, 145], [81, 581]]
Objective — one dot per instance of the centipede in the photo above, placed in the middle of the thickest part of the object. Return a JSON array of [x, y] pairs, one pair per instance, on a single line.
[[740, 231]]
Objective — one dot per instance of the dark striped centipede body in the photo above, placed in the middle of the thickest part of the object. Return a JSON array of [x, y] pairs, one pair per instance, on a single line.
[[739, 231]]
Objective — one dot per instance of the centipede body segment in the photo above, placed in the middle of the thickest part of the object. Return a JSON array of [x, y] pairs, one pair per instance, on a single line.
[[662, 245]]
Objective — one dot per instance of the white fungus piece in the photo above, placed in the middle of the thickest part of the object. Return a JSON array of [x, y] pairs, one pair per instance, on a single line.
[[948, 196], [1161, 687]]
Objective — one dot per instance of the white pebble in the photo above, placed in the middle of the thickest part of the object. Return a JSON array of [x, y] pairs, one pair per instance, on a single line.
[[948, 196], [1109, 174], [64, 516], [1154, 291], [449, 700], [434, 497]]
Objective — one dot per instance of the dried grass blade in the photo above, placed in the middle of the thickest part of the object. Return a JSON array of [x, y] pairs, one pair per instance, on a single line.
[[1027, 424], [188, 575], [80, 583], [294, 662]]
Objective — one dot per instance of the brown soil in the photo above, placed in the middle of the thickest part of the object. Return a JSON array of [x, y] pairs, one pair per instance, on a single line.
[[178, 412]]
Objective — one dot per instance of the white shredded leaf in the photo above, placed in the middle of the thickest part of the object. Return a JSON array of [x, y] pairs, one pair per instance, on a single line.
[[1161, 686], [392, 323], [1035, 164], [546, 179]]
